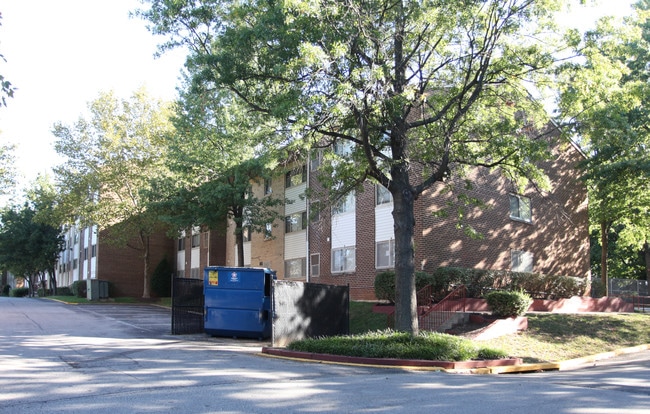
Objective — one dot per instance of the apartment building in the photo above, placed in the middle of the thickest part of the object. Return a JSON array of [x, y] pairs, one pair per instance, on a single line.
[[350, 242], [89, 255]]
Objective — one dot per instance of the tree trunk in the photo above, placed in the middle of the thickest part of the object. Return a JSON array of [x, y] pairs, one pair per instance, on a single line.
[[604, 245], [239, 239], [646, 255], [146, 291], [405, 302], [53, 285]]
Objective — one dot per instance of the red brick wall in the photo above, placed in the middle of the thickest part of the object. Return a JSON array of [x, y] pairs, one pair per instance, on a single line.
[[123, 267], [557, 237]]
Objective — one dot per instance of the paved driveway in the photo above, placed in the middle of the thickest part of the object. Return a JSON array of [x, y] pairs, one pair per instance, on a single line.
[[62, 358]]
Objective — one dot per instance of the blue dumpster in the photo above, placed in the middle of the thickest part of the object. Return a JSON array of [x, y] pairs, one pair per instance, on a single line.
[[238, 301]]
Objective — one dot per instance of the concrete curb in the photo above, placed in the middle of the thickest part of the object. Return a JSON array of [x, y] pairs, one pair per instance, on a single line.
[[508, 366]]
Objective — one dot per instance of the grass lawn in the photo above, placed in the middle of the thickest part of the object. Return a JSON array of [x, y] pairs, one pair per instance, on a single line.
[[550, 337], [555, 337]]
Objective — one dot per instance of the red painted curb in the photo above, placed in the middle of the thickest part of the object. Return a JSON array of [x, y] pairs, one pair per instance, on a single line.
[[392, 361]]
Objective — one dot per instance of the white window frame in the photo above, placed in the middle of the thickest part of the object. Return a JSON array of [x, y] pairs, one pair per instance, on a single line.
[[345, 204], [295, 222], [521, 261], [296, 176], [382, 253], [343, 260], [382, 195], [520, 208], [300, 262], [314, 264], [316, 159]]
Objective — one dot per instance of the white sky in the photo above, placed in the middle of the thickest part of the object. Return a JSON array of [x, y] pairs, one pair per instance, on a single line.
[[62, 53]]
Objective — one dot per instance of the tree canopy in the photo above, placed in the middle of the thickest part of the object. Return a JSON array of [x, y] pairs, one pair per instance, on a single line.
[[415, 90], [28, 248], [6, 88], [110, 162], [604, 99], [214, 159]]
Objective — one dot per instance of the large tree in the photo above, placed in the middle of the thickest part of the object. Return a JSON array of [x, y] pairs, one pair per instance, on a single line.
[[418, 89], [605, 98], [111, 158], [28, 248], [214, 162], [43, 197]]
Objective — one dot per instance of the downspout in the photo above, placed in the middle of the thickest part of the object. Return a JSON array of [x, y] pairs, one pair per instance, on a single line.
[[307, 266]]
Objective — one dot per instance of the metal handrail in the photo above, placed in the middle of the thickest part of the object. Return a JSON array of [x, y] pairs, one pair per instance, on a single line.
[[438, 314]]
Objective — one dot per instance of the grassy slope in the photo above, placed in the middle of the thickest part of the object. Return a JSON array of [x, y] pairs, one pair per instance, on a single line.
[[550, 337]]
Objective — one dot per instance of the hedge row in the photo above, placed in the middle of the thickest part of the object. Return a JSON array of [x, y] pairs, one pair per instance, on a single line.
[[479, 282]]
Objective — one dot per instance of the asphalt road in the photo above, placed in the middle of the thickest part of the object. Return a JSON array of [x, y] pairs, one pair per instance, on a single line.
[[122, 358]]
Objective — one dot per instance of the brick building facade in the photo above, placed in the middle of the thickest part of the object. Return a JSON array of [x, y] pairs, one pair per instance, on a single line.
[[88, 255], [350, 243], [538, 231]]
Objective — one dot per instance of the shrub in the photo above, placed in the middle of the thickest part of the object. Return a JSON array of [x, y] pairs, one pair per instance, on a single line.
[[5, 290], [19, 292], [391, 344], [161, 279], [79, 288], [481, 281], [506, 304], [385, 286], [597, 287], [64, 291]]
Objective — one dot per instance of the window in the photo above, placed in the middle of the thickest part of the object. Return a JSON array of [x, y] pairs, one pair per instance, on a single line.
[[246, 233], [315, 160], [181, 244], [342, 148], [93, 250], [520, 208], [268, 230], [314, 262], [343, 260], [345, 204], [268, 189], [296, 222], [382, 195], [296, 177], [85, 254], [521, 261], [196, 240], [294, 268], [385, 254]]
